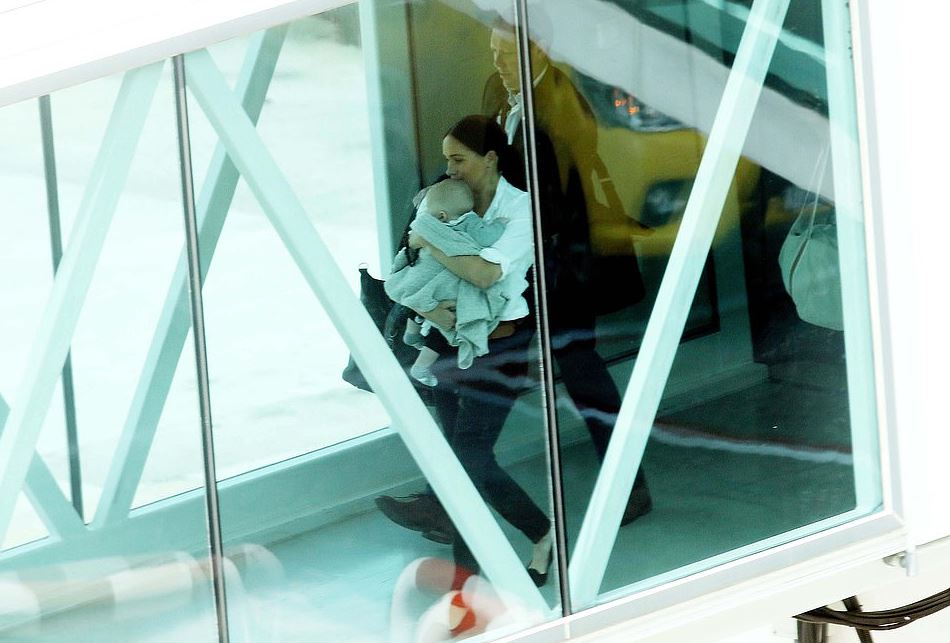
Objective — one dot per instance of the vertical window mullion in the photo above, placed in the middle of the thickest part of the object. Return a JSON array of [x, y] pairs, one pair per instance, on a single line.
[[201, 356], [541, 307]]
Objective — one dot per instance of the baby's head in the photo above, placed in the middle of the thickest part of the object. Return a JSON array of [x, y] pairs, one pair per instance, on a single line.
[[448, 200]]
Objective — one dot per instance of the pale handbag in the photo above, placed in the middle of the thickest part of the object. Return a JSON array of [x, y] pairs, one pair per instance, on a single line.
[[810, 268]]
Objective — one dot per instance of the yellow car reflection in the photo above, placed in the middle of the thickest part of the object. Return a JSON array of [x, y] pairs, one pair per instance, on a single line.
[[653, 172]]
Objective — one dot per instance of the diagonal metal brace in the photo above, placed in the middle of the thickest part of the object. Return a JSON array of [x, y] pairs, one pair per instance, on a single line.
[[174, 322], [54, 335], [410, 416], [667, 321]]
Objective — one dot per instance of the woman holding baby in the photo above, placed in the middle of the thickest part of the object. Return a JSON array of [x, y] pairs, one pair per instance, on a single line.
[[472, 404]]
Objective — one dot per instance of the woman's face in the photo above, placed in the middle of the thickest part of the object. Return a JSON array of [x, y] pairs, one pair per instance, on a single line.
[[464, 164]]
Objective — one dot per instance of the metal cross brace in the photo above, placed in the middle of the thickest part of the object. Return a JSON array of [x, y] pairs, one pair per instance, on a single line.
[[174, 321], [410, 417], [668, 318], [54, 335]]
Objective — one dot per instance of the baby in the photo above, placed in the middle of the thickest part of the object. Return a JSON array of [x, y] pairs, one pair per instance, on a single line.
[[445, 218]]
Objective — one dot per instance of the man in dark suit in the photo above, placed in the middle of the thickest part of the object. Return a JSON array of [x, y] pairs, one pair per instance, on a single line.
[[568, 167], [567, 194]]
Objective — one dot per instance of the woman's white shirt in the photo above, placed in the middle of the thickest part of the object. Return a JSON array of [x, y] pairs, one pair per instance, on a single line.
[[514, 250]]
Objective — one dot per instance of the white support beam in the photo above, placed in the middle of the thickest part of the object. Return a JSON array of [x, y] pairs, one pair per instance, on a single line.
[[174, 322], [849, 217], [385, 43], [52, 44], [57, 513], [55, 331], [665, 327], [410, 416]]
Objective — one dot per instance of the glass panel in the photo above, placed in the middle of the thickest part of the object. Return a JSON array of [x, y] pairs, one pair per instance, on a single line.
[[314, 471], [25, 250], [273, 362], [765, 428], [107, 573]]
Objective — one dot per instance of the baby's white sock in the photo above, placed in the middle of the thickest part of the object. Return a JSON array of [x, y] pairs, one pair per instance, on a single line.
[[420, 370]]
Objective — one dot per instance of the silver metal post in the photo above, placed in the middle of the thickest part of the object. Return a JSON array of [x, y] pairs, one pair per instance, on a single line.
[[201, 356], [56, 246], [541, 307], [812, 632]]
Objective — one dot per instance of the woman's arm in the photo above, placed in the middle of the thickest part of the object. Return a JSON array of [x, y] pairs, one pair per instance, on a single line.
[[472, 268]]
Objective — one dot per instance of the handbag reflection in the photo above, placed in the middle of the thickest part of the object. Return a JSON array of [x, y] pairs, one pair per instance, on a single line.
[[390, 318], [810, 266]]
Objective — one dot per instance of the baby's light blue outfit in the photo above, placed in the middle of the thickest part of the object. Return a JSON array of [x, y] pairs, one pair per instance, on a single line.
[[423, 285]]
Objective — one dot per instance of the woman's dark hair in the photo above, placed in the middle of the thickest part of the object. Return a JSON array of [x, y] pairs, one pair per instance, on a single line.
[[482, 134]]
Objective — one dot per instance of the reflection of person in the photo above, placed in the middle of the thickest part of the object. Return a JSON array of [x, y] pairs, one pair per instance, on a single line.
[[566, 194], [464, 604], [446, 220], [472, 404]]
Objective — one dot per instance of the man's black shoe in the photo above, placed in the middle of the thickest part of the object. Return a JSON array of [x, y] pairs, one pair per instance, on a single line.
[[419, 512], [639, 504]]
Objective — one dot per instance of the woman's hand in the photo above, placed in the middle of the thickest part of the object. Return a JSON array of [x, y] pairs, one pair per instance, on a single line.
[[471, 268], [416, 241], [443, 315]]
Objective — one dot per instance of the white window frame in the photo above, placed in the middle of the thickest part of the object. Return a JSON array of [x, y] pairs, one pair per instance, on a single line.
[[29, 71]]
